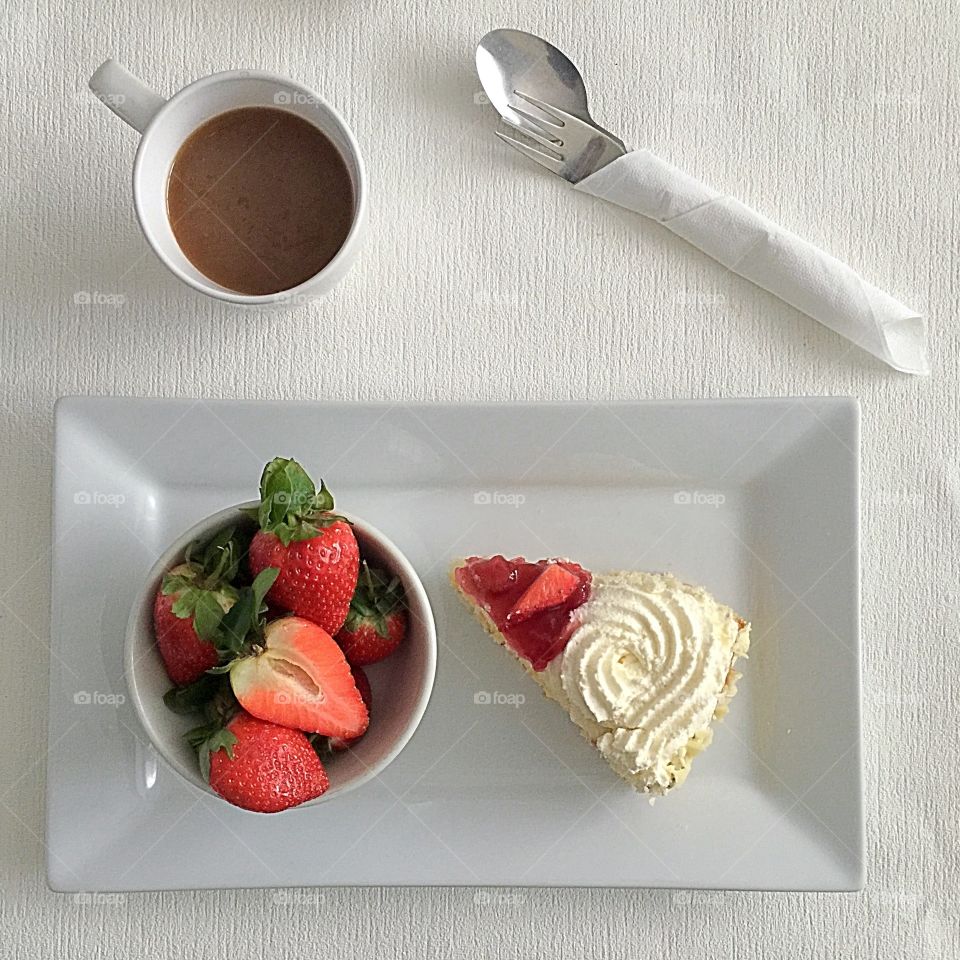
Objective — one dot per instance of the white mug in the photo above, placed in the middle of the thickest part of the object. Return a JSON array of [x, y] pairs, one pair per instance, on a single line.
[[165, 124]]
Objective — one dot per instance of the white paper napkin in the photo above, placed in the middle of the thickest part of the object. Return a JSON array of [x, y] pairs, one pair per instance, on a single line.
[[773, 258]]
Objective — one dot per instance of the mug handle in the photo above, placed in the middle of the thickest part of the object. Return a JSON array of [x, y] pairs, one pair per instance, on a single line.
[[129, 98]]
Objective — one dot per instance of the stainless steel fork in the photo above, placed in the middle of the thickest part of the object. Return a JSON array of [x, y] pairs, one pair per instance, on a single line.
[[568, 145]]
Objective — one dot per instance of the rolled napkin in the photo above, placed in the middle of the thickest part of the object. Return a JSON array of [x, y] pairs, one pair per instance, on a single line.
[[773, 258]]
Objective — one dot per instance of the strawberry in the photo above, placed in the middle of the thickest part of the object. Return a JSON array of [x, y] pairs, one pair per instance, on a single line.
[[552, 587], [190, 604], [260, 766], [377, 621], [338, 744], [297, 676], [314, 550], [288, 671]]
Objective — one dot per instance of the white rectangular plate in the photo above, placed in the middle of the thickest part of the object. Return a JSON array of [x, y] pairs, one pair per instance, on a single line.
[[755, 499]]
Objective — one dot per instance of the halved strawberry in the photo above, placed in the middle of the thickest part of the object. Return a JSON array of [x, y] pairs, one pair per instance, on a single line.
[[314, 550], [377, 621], [297, 676], [260, 766], [554, 586], [338, 744]]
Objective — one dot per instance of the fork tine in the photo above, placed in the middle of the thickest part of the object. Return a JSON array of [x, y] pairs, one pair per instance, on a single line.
[[555, 114], [536, 124], [551, 163], [535, 135]]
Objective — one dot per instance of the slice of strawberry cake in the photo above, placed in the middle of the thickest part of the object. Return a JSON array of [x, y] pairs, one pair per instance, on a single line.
[[642, 662]]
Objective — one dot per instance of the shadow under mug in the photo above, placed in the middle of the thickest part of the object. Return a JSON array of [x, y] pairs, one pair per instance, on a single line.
[[165, 124]]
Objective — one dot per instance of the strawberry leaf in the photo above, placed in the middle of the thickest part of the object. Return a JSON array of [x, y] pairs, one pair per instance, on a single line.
[[285, 489], [376, 597], [184, 604], [210, 737], [220, 740], [236, 624], [261, 585], [245, 617], [285, 532], [207, 615], [205, 609], [220, 558], [290, 506], [193, 696], [306, 531], [175, 582], [323, 500], [211, 564], [201, 586]]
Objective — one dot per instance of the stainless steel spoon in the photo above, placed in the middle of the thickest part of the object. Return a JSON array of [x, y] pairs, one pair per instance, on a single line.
[[512, 60]]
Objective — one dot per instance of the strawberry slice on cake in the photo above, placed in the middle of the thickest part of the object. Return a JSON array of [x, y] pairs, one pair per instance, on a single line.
[[642, 662]]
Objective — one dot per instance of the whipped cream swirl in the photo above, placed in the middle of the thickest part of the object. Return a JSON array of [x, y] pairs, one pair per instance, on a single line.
[[644, 671]]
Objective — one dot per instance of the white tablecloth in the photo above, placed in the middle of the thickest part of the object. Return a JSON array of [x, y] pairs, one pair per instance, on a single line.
[[484, 278]]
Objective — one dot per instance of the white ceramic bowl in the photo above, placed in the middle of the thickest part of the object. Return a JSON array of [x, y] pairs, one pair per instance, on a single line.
[[401, 684]]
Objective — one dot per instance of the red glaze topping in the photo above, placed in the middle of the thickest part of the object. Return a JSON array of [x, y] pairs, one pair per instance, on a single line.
[[532, 610]]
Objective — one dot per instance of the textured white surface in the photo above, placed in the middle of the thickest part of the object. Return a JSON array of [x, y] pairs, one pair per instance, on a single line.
[[484, 278]]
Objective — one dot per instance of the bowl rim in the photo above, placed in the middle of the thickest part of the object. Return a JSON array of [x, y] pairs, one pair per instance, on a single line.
[[207, 526]]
